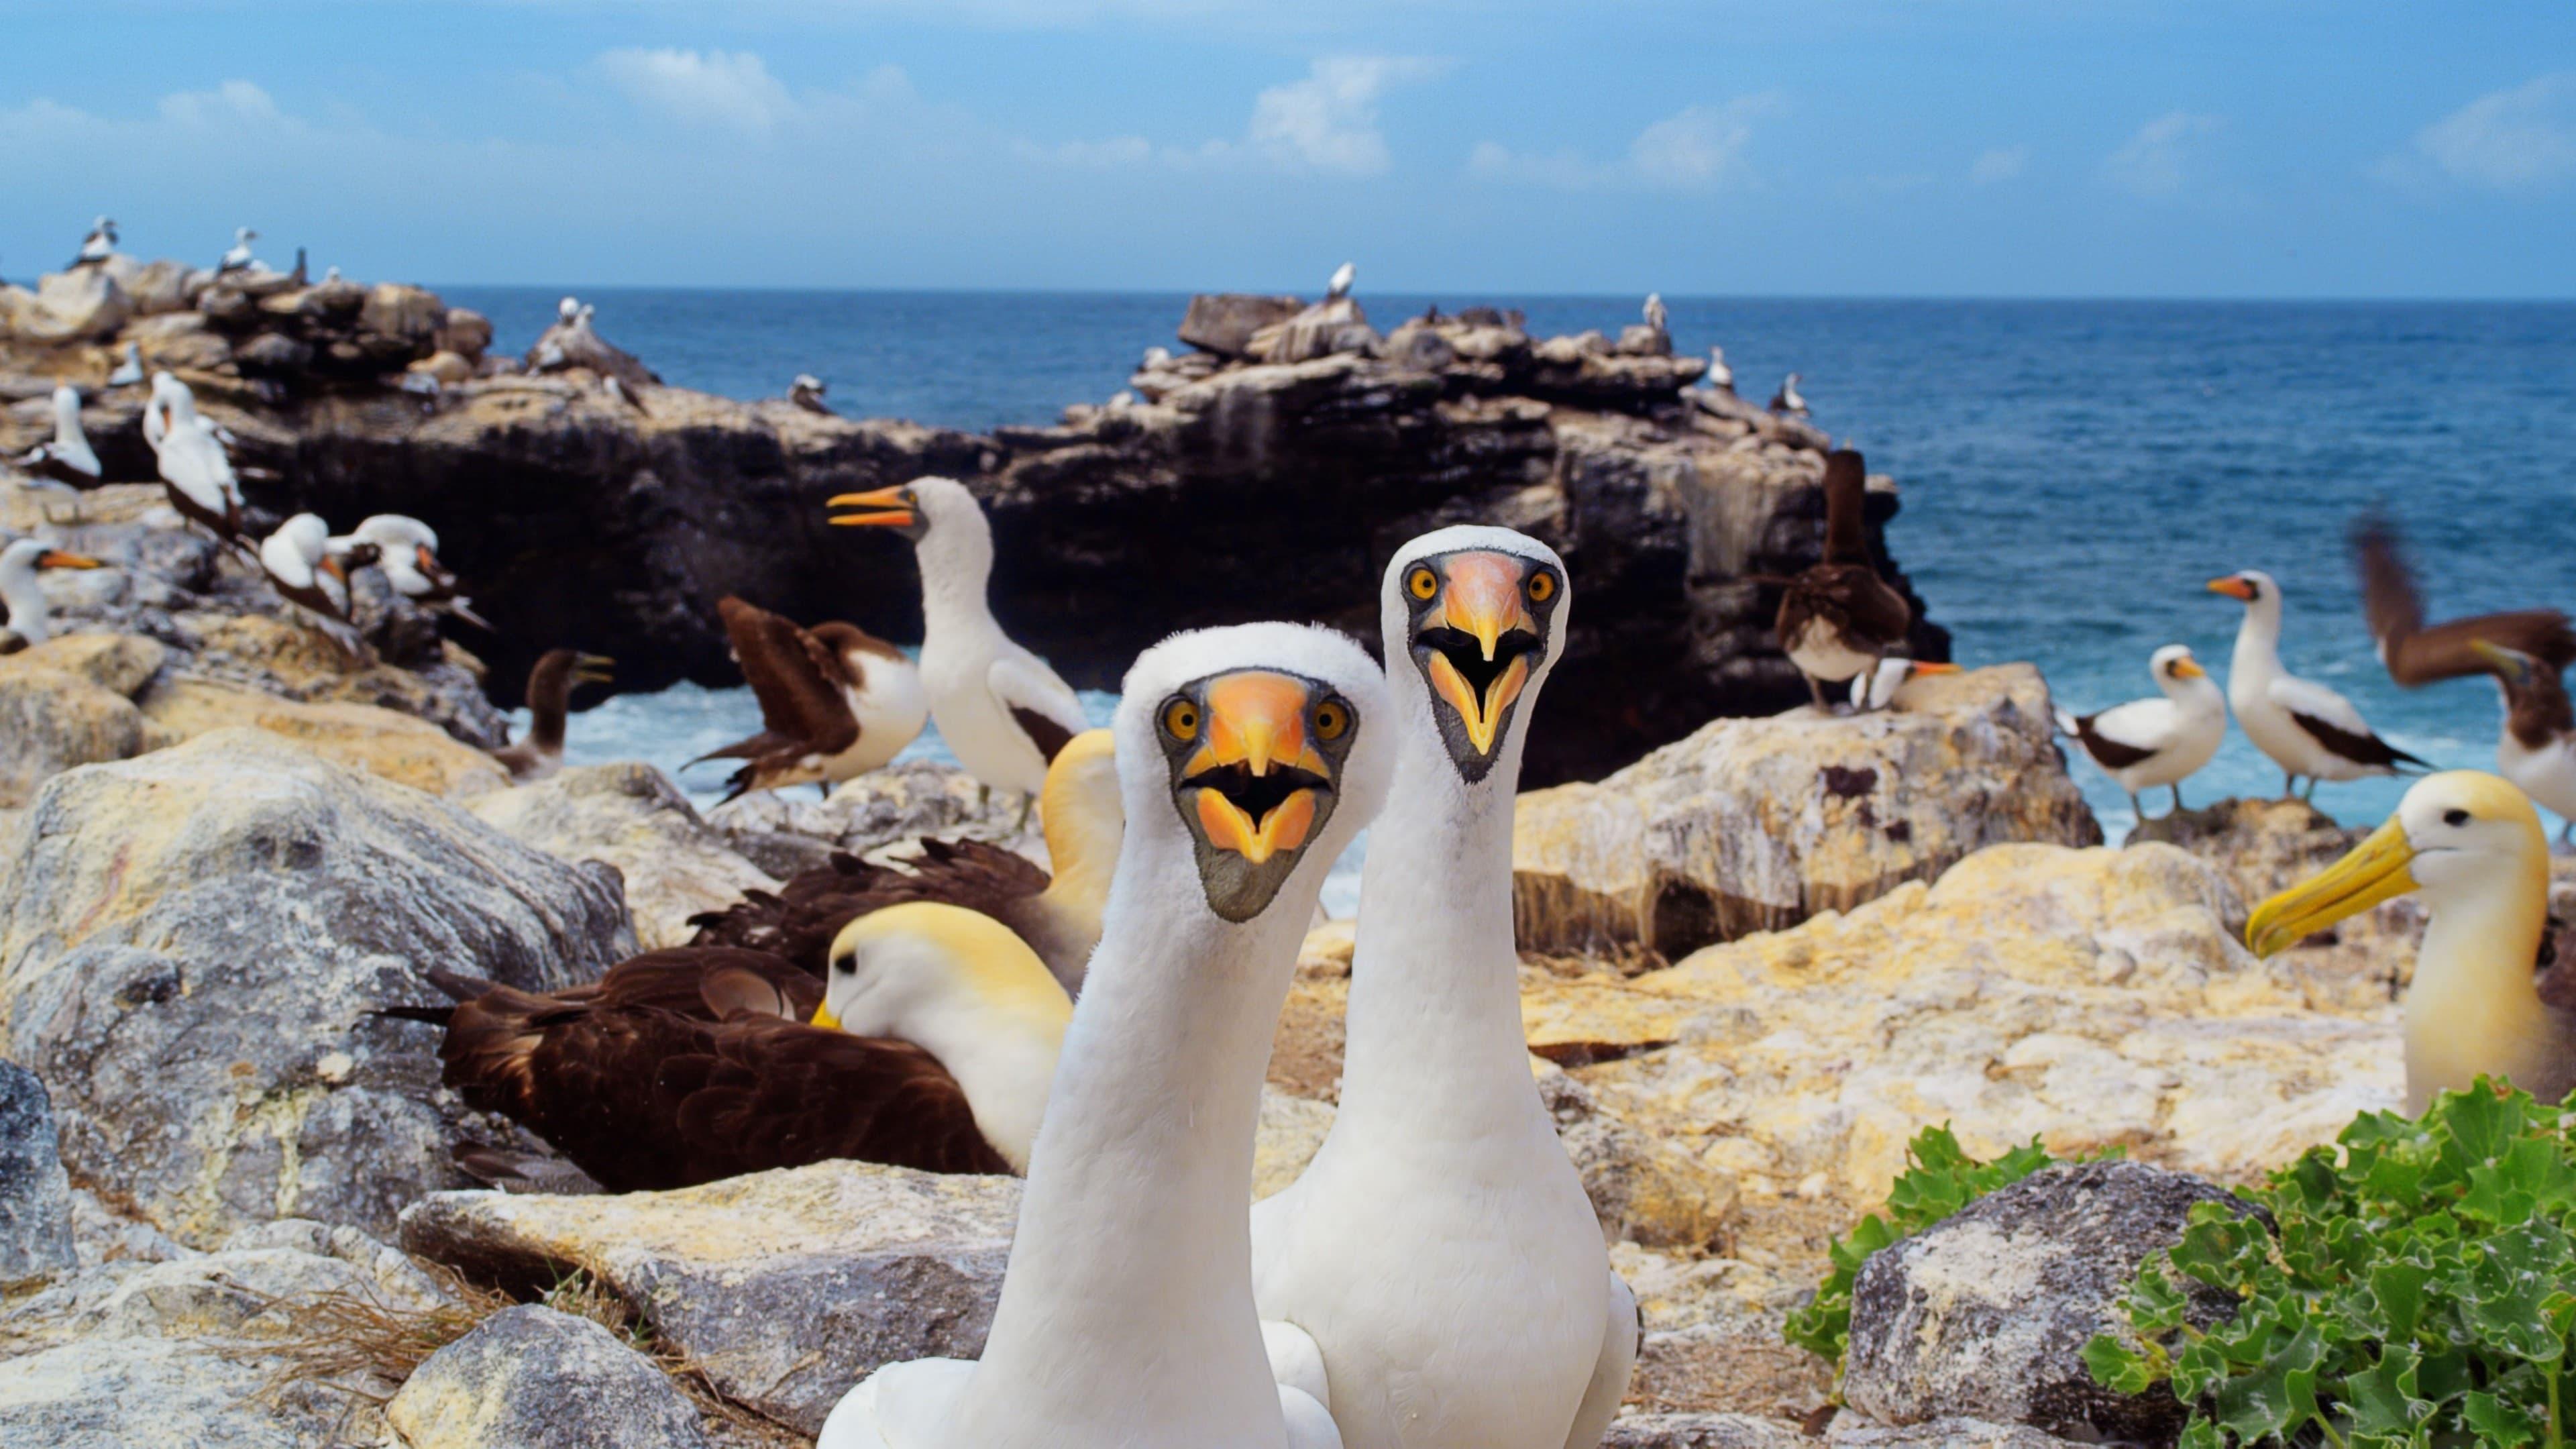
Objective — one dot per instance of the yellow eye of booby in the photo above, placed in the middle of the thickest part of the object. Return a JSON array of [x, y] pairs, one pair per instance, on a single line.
[[1332, 720], [1423, 583], [1542, 587], [1181, 719]]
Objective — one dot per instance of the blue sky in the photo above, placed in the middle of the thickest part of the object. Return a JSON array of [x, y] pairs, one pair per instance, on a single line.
[[1867, 147]]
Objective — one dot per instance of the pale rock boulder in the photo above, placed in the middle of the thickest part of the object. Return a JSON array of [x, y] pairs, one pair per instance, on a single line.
[[1757, 824], [784, 832], [190, 946], [291, 660], [1224, 323], [1702, 1431], [1859, 1431], [398, 747], [632, 817], [69, 701], [530, 1376], [1328, 328], [82, 305]]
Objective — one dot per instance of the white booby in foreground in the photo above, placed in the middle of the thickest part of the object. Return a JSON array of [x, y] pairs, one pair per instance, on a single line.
[[69, 457], [99, 245], [807, 393], [128, 372], [1878, 688], [305, 572], [557, 673], [407, 551], [2471, 846], [1437, 1273], [237, 258], [1656, 316], [2307, 729], [195, 470], [1339, 285], [2536, 749], [1719, 375], [1838, 618], [1787, 399], [1000, 709], [2418, 653], [835, 701], [31, 620], [1248, 758], [2151, 742]]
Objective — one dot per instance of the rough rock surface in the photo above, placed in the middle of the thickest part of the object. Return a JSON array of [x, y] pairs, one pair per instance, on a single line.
[[69, 701], [1986, 1313], [632, 817], [391, 746], [1701, 1431], [1757, 824], [786, 833], [190, 942], [530, 1376], [35, 1193], [1856, 1431]]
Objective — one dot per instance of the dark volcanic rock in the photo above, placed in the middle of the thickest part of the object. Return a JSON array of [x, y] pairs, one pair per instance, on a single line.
[[35, 1194]]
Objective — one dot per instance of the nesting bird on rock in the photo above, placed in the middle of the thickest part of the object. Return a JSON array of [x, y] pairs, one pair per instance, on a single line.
[[99, 245], [68, 459], [1787, 400], [407, 552], [539, 753], [22, 590], [237, 258], [2151, 742], [835, 701], [1655, 315], [1838, 618], [2307, 729], [807, 393], [1339, 284], [305, 573], [1719, 375], [195, 469]]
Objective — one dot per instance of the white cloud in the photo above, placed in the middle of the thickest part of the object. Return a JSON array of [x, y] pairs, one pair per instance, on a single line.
[[2000, 164], [1698, 148], [2155, 162], [716, 87], [2523, 139], [1328, 121], [233, 101]]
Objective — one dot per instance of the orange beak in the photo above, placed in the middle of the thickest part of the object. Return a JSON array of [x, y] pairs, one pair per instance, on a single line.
[[889, 509], [2190, 669], [1481, 598], [331, 565], [54, 558], [1922, 666], [1256, 720], [2233, 587]]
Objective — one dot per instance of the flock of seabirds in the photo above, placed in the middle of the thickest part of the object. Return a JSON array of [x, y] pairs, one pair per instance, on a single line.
[[1436, 1276]]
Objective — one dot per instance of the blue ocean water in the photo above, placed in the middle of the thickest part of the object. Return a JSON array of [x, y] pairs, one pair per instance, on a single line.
[[2073, 472]]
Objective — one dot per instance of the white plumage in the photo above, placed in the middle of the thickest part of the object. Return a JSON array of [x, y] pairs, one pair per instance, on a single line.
[[130, 371], [237, 258], [1656, 316], [2307, 729], [1719, 374], [2150, 742], [1340, 283], [69, 457], [193, 464]]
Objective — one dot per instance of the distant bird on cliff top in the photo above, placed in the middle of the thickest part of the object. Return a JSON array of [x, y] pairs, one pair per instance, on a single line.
[[1340, 283], [1720, 375], [69, 457], [330, 275], [567, 309], [1787, 399], [2306, 728], [835, 701], [1878, 688], [130, 371], [31, 620], [1656, 316], [2471, 846], [807, 393], [407, 551], [238, 257], [1838, 618], [297, 277], [2418, 653], [539, 753], [2537, 747], [99, 245], [2151, 742], [1000, 709], [573, 342], [194, 468], [931, 1045], [1058, 915]]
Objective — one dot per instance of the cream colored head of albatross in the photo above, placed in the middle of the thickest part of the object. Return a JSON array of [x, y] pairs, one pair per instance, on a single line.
[[2470, 845], [1437, 1275], [1248, 757]]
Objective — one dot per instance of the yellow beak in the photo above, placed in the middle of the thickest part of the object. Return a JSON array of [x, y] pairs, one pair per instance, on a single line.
[[54, 558], [1257, 720], [2189, 669], [1481, 598], [2232, 586], [2375, 871], [824, 1018], [887, 504], [593, 669]]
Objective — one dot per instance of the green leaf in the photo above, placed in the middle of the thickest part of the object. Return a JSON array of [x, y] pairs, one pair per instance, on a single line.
[[2382, 1400], [2118, 1367], [2398, 1289], [2496, 1422], [2277, 1393]]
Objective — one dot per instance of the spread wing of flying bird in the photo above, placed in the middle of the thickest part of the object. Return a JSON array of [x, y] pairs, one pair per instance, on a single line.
[[2418, 653]]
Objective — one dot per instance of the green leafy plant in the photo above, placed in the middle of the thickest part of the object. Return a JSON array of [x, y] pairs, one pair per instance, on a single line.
[[2420, 1291], [1939, 1179]]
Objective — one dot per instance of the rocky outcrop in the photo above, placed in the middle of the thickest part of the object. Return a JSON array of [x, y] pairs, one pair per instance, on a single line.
[[631, 816], [532, 1376], [398, 747], [1701, 1431], [35, 1194], [69, 701], [1985, 1314], [1756, 824], [784, 832], [190, 943]]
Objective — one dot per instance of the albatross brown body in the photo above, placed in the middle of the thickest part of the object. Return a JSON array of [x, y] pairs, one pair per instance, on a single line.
[[1838, 618], [2418, 653], [798, 922]]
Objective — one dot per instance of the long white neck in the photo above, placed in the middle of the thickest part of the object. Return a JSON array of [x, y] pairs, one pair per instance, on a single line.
[[1435, 1038], [2475, 1004], [2257, 659], [956, 558], [67, 424], [25, 596], [1127, 1315]]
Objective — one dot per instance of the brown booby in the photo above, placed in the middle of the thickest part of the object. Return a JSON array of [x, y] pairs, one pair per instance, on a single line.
[[835, 701], [2307, 729], [1838, 618], [930, 1046], [2418, 653], [2470, 845], [1058, 915], [539, 753], [2537, 747]]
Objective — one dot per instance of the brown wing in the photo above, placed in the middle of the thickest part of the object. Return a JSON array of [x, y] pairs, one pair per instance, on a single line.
[[1852, 599], [793, 676], [779, 1094], [2364, 748], [2107, 752], [2417, 653], [1846, 508], [1049, 736], [800, 921], [711, 983]]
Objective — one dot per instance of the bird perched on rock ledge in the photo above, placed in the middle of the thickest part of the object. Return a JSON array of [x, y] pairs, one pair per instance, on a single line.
[[1656, 316], [807, 393], [1787, 400], [1838, 618], [1340, 283]]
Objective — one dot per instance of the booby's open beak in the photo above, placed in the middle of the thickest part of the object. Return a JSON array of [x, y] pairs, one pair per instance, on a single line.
[[2376, 870], [2189, 669], [1475, 639], [1256, 756], [2512, 664], [887, 508], [593, 669], [54, 558], [2233, 587]]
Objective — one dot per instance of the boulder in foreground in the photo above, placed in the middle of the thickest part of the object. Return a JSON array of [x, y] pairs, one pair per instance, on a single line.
[[631, 816], [530, 1376]]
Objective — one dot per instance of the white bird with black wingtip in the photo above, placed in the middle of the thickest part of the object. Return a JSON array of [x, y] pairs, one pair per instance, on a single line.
[[2308, 730], [1339, 285], [68, 459], [2150, 742], [238, 258]]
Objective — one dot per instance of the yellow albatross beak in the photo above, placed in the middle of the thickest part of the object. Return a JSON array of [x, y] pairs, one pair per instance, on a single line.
[[2375, 871], [824, 1018], [890, 509], [1256, 720], [1482, 599]]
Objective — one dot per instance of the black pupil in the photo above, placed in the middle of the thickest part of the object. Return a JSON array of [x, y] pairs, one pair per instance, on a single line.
[[2455, 817], [847, 965]]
